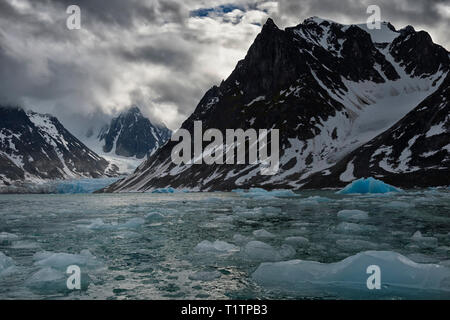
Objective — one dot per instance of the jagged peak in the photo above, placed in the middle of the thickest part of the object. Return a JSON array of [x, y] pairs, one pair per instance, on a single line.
[[270, 24]]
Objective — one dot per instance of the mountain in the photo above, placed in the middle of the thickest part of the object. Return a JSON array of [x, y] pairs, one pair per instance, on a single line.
[[132, 135], [340, 95], [36, 147]]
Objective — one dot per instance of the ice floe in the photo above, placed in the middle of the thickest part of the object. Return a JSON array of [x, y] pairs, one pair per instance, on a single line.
[[350, 227], [369, 185], [263, 234], [7, 265], [154, 217], [217, 246], [352, 215], [99, 224], [348, 277], [424, 242], [261, 251], [205, 275], [297, 241]]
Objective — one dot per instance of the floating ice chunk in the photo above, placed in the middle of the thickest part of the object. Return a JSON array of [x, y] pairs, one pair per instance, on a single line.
[[154, 217], [424, 242], [297, 241], [345, 227], [133, 223], [215, 247], [263, 234], [398, 205], [348, 277], [240, 239], [205, 275], [369, 185], [352, 215], [224, 219], [164, 190], [49, 280], [7, 265], [262, 193], [260, 251], [6, 238], [61, 261]]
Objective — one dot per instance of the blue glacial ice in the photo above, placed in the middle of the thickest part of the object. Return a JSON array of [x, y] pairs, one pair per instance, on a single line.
[[398, 274], [369, 185], [80, 186]]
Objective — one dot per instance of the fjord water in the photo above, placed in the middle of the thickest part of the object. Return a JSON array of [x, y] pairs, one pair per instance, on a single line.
[[209, 245]]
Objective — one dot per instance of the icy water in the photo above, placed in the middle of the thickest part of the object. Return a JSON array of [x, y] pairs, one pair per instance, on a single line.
[[210, 245]]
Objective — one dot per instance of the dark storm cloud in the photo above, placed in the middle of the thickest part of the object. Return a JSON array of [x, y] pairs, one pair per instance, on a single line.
[[426, 13], [160, 54], [168, 56]]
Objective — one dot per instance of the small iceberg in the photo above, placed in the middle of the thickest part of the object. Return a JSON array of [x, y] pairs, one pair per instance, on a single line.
[[369, 185], [164, 190], [262, 193], [348, 278]]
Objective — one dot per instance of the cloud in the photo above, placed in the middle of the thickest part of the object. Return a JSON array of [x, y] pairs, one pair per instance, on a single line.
[[160, 54]]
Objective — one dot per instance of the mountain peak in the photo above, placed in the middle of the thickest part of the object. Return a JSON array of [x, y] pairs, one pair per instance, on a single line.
[[270, 24]]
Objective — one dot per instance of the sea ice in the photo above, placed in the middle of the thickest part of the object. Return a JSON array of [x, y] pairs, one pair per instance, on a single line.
[[240, 239], [349, 275], [265, 194], [260, 251], [6, 238], [345, 227], [352, 215], [205, 275], [297, 241], [369, 185], [133, 223], [424, 242], [154, 217], [263, 234], [49, 280], [60, 261], [7, 264], [217, 246]]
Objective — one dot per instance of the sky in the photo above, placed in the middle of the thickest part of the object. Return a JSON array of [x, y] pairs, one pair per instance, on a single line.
[[162, 55]]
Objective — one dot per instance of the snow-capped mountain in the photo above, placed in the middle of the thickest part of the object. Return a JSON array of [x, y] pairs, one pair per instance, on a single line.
[[349, 102], [128, 139], [132, 135], [36, 147]]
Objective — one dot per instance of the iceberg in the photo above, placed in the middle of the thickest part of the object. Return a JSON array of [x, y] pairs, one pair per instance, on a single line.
[[348, 278], [261, 251], [215, 247], [262, 193], [7, 264], [369, 185], [164, 190]]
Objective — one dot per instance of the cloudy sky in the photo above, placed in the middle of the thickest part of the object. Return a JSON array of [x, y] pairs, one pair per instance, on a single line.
[[159, 54]]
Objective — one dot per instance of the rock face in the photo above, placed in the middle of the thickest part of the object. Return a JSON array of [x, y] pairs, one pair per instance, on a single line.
[[340, 95], [36, 147], [132, 135]]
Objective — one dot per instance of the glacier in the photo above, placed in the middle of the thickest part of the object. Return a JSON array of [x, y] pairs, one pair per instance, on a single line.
[[368, 185], [78, 186]]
